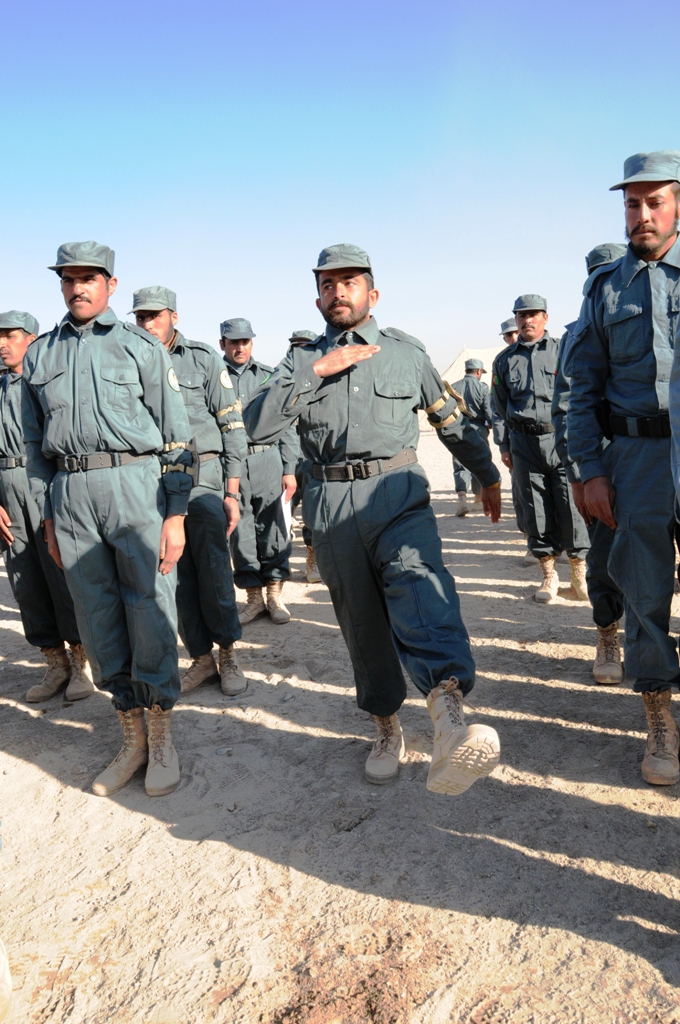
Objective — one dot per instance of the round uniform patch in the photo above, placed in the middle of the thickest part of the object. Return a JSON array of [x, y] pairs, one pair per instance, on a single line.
[[225, 379], [172, 379]]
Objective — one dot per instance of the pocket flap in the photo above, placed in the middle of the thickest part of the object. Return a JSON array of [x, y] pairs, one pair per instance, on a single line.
[[624, 311], [44, 377], [190, 380], [120, 374], [389, 387]]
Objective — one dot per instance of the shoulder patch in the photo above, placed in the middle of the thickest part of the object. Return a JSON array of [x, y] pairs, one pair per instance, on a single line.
[[225, 379], [172, 379], [394, 332]]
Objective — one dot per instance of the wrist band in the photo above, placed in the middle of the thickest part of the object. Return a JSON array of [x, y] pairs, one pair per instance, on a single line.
[[230, 495]]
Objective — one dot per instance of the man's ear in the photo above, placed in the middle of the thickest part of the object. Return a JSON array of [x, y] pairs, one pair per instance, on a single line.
[[373, 297], [173, 317], [318, 305], [111, 285]]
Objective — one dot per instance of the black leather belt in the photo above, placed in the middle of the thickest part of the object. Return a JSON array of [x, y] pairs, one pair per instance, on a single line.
[[252, 448], [642, 426], [534, 429], [10, 463], [97, 460], [363, 470]]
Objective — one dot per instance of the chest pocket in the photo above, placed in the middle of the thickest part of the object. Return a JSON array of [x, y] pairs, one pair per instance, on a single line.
[[51, 388], [625, 330], [192, 387], [393, 401], [121, 388], [317, 412]]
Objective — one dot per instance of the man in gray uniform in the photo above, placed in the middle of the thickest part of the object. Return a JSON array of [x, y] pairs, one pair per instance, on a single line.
[[260, 544], [523, 385], [206, 603], [302, 472], [107, 442], [37, 582], [475, 394], [509, 334], [604, 595], [356, 393], [621, 360]]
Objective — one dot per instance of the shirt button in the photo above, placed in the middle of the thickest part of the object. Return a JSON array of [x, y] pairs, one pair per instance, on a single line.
[[652, 265], [83, 371], [355, 425], [83, 401], [355, 389]]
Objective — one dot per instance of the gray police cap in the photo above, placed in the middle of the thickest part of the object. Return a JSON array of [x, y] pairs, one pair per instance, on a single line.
[[509, 325], [337, 257], [474, 364], [299, 337], [605, 253], [84, 254], [530, 302], [154, 297], [236, 329], [16, 318], [662, 165]]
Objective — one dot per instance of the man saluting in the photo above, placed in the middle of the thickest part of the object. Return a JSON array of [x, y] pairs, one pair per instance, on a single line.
[[356, 392]]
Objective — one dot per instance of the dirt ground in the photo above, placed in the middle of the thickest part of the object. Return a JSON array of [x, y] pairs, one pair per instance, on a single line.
[[277, 886]]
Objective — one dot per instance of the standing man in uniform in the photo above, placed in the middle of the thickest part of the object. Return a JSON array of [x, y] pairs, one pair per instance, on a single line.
[[107, 442], [523, 385], [475, 394], [206, 603], [604, 595], [509, 334], [622, 362], [356, 393], [260, 544], [302, 476], [37, 582]]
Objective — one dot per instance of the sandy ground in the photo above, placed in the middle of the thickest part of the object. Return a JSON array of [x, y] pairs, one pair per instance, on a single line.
[[277, 886]]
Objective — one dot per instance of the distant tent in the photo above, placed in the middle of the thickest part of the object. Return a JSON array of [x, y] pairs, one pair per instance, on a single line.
[[457, 370]]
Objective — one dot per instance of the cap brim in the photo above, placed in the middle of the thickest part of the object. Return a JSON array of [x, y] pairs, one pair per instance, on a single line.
[[238, 337], [527, 309], [151, 307], [640, 177], [341, 266], [94, 266]]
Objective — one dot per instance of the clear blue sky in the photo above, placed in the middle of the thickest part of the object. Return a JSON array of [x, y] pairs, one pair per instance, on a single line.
[[217, 147]]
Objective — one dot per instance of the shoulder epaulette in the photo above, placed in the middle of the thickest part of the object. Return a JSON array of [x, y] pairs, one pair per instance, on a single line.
[[134, 329], [394, 332], [202, 345], [305, 343], [606, 268], [267, 369]]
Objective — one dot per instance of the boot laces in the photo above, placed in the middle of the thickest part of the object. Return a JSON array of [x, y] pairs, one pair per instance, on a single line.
[[227, 659], [156, 738], [128, 736], [386, 731], [78, 656], [610, 643], [657, 724], [454, 701]]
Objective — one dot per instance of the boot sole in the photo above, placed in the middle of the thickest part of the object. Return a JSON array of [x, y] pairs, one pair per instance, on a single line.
[[208, 679], [78, 696], [543, 600], [165, 791], [233, 693], [41, 700], [468, 763], [247, 621], [117, 789], [380, 780], [661, 780], [607, 682]]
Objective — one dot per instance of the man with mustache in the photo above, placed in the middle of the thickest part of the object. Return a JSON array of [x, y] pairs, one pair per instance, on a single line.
[[107, 442], [37, 583], [355, 393], [621, 362]]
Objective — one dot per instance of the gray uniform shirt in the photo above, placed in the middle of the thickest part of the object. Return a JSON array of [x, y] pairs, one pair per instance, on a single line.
[[524, 380], [11, 435], [212, 405], [108, 387], [370, 410], [477, 398], [622, 349], [246, 380]]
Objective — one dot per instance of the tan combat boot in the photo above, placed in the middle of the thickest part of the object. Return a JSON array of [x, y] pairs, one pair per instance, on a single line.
[[278, 612], [478, 504], [462, 753], [80, 684], [551, 581], [255, 606], [202, 670], [382, 765], [232, 679], [462, 506], [56, 677], [311, 568], [607, 667], [578, 578], [660, 763], [162, 775], [132, 755]]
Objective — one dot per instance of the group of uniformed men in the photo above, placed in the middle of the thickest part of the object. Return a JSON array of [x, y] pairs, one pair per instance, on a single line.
[[132, 459]]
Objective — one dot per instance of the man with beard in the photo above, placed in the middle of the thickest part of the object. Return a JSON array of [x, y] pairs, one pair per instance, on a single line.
[[107, 443], [621, 361], [206, 603], [355, 393], [522, 387]]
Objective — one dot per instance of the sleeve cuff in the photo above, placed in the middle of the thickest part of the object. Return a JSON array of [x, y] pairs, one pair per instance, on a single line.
[[176, 504], [591, 469], [573, 475]]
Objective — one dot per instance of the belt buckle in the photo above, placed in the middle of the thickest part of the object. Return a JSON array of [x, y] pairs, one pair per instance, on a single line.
[[360, 470], [72, 463]]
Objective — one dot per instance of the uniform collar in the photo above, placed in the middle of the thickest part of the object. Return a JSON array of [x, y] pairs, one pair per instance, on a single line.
[[631, 265], [240, 370], [178, 342], [368, 333], [106, 319], [534, 344]]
